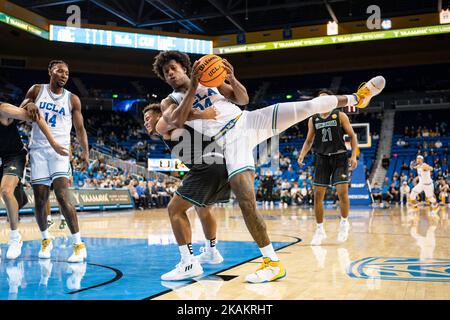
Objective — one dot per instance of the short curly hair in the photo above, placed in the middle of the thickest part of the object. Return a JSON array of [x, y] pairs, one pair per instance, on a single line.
[[53, 63], [165, 56]]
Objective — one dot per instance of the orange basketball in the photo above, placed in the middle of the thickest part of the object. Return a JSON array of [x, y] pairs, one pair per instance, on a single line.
[[213, 71]]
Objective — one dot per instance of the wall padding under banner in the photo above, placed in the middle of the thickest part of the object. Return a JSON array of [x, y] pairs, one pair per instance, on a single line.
[[84, 200]]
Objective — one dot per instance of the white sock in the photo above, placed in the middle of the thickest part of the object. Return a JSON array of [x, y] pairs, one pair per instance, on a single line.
[[320, 226], [186, 251], [344, 219], [44, 234], [49, 218], [351, 100], [210, 244], [76, 238], [14, 235], [62, 218], [269, 252]]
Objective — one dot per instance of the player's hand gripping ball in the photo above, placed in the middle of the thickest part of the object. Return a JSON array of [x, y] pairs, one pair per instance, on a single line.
[[213, 71]]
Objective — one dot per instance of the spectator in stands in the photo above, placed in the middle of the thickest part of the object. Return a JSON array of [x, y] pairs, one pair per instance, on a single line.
[[394, 192], [140, 190], [438, 144], [132, 187], [285, 197], [404, 193], [387, 197], [376, 193], [444, 189], [268, 183], [162, 193], [259, 194], [295, 193], [152, 195]]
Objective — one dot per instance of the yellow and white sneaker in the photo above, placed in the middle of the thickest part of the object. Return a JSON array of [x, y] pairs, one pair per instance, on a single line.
[[77, 270], [269, 271], [368, 90], [46, 249], [79, 253]]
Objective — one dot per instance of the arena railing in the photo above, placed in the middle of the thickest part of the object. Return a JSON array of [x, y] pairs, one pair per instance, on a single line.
[[131, 168]]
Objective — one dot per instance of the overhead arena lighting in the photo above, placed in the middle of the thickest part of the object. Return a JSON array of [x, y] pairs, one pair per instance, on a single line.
[[444, 16], [332, 28], [386, 24]]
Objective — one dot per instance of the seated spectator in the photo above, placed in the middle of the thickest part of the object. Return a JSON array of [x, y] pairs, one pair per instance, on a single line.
[[394, 192], [142, 201], [404, 193], [386, 195], [376, 193]]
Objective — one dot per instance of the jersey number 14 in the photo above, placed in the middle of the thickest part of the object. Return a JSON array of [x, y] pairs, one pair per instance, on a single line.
[[51, 121]]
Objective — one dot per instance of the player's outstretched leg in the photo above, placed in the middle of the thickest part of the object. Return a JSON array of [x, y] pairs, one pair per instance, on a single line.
[[288, 114]]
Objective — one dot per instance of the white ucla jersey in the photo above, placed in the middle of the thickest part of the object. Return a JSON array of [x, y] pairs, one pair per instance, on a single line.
[[424, 176], [56, 110], [207, 97]]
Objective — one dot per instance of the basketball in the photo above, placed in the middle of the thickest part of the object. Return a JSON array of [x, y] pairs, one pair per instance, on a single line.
[[213, 71]]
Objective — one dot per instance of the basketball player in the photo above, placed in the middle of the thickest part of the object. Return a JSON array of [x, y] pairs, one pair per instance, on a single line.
[[326, 131], [59, 107], [205, 184], [238, 132], [13, 154], [425, 182]]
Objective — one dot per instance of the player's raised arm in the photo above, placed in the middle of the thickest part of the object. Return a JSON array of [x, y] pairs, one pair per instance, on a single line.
[[348, 129], [12, 112], [79, 127], [308, 142], [29, 102], [234, 91]]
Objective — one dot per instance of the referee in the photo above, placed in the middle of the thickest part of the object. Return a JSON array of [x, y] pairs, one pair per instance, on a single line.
[[327, 131]]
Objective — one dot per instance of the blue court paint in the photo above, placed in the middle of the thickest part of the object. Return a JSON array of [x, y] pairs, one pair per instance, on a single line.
[[116, 269]]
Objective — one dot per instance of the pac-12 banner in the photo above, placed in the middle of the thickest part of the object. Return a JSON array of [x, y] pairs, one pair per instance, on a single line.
[[358, 192], [84, 200]]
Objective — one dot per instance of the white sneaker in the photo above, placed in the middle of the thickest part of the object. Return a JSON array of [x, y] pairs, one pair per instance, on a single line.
[[77, 270], [321, 255], [184, 270], [344, 227], [368, 90], [14, 249], [15, 276], [79, 253], [46, 267], [46, 249], [211, 256], [318, 237], [269, 271]]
